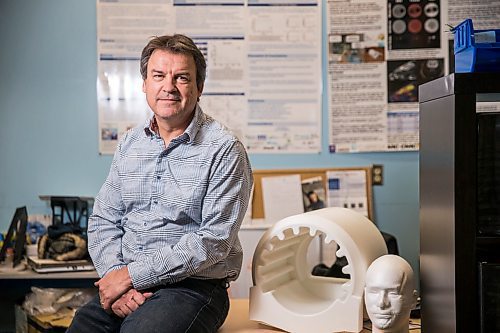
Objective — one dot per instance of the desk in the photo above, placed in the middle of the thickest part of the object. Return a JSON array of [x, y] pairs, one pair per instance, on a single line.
[[237, 321], [15, 285]]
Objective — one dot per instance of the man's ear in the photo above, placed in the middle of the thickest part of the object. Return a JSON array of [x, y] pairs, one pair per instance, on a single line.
[[200, 90], [143, 86]]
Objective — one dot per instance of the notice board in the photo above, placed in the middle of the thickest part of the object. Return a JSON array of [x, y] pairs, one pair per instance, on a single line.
[[331, 180]]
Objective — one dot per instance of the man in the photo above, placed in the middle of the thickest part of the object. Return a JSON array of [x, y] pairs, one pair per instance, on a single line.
[[389, 294], [314, 201], [163, 234]]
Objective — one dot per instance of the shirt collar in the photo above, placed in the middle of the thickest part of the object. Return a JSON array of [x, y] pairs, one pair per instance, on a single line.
[[151, 126]]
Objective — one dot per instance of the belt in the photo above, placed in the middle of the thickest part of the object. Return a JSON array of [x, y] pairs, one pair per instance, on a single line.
[[224, 283]]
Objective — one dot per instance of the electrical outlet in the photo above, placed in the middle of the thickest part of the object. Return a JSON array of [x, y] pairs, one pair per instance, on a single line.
[[377, 174]]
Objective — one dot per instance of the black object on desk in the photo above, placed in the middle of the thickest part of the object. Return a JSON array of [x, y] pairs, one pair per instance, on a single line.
[[17, 226], [72, 210]]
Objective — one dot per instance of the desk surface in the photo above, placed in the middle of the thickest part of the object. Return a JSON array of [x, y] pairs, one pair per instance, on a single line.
[[238, 321]]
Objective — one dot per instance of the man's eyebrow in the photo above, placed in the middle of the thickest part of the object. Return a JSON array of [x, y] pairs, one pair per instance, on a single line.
[[183, 72]]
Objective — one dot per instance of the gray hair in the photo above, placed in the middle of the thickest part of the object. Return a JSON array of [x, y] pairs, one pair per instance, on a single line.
[[178, 44]]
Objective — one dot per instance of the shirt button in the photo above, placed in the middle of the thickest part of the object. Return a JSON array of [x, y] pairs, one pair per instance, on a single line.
[[145, 224], [158, 177], [155, 202]]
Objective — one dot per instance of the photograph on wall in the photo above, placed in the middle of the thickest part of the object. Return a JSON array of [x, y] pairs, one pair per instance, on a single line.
[[109, 133], [404, 77], [356, 48], [313, 194], [413, 24]]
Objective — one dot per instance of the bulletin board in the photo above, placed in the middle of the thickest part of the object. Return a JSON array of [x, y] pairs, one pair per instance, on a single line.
[[258, 211]]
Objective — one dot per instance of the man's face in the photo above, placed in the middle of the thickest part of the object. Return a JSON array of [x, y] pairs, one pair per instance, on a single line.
[[384, 302], [170, 86]]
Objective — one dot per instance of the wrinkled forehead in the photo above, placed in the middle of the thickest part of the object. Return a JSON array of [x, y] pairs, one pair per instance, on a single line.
[[167, 57]]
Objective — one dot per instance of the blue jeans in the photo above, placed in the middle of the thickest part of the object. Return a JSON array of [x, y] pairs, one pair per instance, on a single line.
[[191, 305]]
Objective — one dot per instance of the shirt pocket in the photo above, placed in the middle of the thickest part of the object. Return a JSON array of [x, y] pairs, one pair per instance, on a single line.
[[182, 201], [136, 179]]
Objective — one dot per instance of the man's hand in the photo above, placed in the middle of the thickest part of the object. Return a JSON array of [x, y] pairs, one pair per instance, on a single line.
[[129, 302], [112, 286]]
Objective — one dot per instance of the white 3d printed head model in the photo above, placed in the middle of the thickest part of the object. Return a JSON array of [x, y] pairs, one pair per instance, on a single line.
[[286, 295], [390, 294]]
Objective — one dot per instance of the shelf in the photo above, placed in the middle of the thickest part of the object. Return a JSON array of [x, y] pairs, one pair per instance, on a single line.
[[488, 240]]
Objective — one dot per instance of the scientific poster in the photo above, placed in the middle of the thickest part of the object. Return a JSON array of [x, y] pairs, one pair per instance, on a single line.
[[264, 77], [379, 52], [260, 55]]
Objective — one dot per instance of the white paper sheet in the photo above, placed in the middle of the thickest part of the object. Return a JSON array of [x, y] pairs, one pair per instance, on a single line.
[[348, 189], [282, 197]]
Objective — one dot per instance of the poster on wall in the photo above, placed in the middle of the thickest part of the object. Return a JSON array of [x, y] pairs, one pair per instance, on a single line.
[[284, 83], [259, 57], [123, 27], [379, 52], [356, 72]]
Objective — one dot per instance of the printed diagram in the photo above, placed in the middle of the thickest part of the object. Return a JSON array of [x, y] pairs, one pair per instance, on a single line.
[[413, 24], [404, 76]]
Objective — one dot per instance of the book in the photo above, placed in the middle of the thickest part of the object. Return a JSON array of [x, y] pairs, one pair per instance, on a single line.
[[50, 265]]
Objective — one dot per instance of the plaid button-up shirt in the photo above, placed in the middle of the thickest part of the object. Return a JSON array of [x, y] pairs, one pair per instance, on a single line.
[[175, 212]]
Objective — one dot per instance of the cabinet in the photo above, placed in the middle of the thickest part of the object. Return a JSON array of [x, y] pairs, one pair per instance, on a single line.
[[459, 204]]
